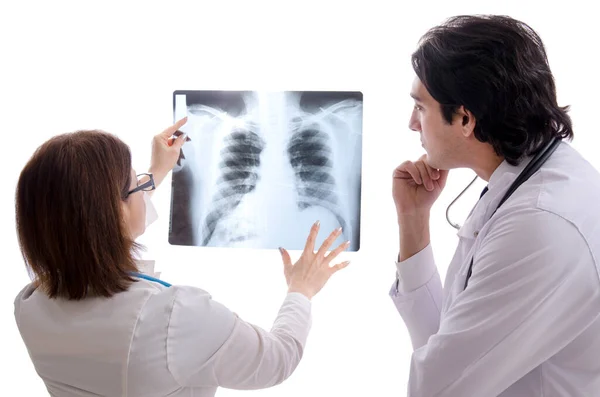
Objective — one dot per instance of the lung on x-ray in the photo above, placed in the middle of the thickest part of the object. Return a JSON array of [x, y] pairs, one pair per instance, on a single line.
[[262, 167]]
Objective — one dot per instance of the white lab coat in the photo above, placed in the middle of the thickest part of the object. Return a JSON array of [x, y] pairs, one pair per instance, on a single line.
[[528, 324], [156, 341]]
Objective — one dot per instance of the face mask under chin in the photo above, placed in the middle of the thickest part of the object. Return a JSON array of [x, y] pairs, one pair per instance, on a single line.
[[151, 214]]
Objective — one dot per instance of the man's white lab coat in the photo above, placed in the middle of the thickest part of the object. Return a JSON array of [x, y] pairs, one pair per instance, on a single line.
[[528, 324]]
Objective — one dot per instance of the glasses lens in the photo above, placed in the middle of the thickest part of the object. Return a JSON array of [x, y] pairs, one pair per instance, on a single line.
[[144, 180]]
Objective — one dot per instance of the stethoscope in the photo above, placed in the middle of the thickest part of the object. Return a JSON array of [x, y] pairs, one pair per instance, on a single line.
[[149, 278], [456, 225], [535, 164]]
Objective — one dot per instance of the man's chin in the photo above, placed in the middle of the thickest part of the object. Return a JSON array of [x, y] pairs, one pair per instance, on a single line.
[[434, 163], [430, 161]]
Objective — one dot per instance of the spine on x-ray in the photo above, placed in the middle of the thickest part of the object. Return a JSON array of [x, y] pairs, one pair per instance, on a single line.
[[310, 155], [239, 174]]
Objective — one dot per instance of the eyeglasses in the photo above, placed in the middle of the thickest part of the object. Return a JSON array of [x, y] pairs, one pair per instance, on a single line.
[[145, 186]]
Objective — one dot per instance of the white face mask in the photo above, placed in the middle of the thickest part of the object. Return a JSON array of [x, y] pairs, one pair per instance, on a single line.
[[151, 214]]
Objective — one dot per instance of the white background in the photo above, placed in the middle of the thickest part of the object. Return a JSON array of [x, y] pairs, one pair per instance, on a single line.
[[113, 66]]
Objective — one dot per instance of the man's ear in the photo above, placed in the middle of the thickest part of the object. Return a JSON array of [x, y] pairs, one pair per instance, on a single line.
[[467, 121]]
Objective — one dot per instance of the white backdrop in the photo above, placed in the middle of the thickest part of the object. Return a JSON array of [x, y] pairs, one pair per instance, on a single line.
[[114, 66]]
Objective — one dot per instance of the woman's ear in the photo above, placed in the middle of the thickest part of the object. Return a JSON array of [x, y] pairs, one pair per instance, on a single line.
[[126, 211], [126, 216]]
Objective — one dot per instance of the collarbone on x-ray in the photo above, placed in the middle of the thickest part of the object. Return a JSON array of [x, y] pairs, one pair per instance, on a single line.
[[261, 168]]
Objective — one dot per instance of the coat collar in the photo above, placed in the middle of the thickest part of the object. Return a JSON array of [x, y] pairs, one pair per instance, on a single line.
[[500, 180]]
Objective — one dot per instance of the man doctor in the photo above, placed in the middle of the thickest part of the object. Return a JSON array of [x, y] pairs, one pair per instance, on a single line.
[[528, 321]]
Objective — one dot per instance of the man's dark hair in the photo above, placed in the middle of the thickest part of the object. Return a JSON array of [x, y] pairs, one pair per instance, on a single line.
[[497, 68], [69, 219]]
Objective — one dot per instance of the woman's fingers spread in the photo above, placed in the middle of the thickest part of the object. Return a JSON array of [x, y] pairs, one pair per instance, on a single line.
[[309, 247], [285, 257], [339, 249], [339, 266], [328, 241]]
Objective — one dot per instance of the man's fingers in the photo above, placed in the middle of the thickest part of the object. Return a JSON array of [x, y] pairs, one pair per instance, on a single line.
[[433, 172], [400, 174], [425, 177], [309, 247], [443, 177], [172, 129], [412, 169], [421, 172]]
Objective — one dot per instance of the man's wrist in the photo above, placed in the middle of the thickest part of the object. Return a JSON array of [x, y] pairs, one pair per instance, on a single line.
[[414, 234], [413, 217]]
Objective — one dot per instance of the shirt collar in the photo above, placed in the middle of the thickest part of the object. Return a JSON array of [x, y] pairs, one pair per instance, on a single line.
[[498, 184], [504, 171]]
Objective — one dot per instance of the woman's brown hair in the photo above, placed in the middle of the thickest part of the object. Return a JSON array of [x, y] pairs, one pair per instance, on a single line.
[[69, 215]]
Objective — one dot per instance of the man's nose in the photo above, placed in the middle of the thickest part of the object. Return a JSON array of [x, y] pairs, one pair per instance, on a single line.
[[414, 124]]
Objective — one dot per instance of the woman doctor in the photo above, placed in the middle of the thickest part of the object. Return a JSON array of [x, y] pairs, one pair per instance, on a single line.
[[94, 326]]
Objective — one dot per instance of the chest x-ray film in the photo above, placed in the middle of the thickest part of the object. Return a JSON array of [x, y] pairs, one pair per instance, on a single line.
[[262, 167]]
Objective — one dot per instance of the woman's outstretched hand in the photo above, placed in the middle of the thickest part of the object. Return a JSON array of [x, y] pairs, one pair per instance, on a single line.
[[312, 270]]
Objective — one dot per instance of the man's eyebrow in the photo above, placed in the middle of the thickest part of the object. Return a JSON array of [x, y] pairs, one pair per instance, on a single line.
[[416, 97]]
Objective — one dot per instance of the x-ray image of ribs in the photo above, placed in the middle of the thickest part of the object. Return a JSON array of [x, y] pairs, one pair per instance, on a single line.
[[315, 163], [239, 174], [239, 163]]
